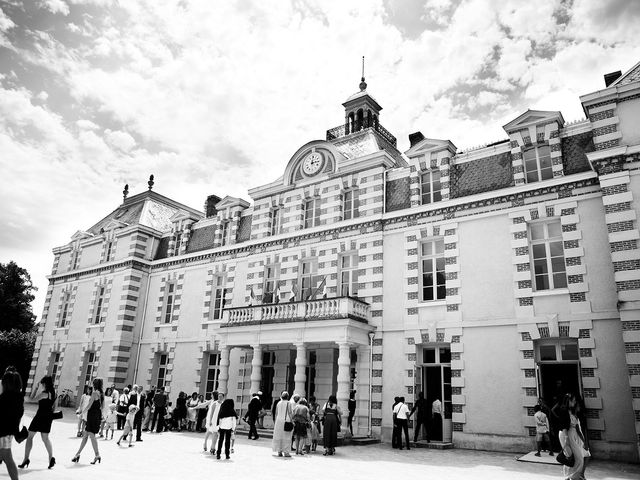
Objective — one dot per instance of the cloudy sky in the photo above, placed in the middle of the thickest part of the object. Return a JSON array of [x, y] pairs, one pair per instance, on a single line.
[[214, 96]]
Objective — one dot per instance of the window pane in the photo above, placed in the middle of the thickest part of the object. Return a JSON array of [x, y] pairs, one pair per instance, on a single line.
[[426, 248], [427, 294], [555, 230], [559, 280], [427, 280], [557, 264], [532, 176], [428, 355], [540, 267], [442, 292], [555, 249], [345, 261], [569, 351], [530, 154], [539, 251], [439, 244], [445, 357], [547, 352], [542, 282], [537, 231]]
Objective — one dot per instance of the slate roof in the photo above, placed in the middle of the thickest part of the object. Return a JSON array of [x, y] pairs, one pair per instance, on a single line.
[[574, 150], [631, 76], [201, 239], [482, 175], [398, 194], [163, 247], [244, 229]]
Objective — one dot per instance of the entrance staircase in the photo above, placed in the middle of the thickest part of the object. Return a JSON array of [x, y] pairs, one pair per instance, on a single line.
[[434, 445], [243, 431]]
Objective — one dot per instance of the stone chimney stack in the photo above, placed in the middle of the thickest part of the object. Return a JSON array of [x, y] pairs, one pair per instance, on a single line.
[[210, 205]]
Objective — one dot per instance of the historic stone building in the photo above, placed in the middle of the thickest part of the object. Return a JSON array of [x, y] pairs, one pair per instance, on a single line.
[[485, 278]]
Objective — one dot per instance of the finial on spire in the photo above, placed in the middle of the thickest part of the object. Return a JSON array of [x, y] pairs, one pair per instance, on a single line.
[[125, 192], [150, 182], [363, 84]]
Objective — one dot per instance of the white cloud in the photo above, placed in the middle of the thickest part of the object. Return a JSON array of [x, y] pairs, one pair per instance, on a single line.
[[120, 140], [56, 6]]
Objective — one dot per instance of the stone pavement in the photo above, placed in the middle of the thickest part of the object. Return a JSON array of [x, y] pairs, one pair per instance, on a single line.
[[174, 455]]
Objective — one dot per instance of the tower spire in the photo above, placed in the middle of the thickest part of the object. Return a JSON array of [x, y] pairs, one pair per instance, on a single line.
[[363, 84]]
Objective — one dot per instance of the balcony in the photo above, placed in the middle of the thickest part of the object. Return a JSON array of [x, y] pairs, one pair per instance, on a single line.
[[343, 131], [303, 311]]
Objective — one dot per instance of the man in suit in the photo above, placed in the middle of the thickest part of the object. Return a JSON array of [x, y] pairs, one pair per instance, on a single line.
[[138, 398], [253, 411], [422, 418]]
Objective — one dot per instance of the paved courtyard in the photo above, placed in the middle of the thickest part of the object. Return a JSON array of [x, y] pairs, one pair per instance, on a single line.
[[175, 455]]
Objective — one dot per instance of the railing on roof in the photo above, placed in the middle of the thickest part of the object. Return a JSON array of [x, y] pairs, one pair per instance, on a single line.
[[344, 130], [322, 309]]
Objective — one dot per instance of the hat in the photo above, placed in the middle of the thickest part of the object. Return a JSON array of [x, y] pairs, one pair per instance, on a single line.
[[260, 393]]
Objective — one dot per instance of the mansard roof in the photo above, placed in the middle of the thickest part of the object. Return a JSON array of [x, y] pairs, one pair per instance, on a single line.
[[149, 209]]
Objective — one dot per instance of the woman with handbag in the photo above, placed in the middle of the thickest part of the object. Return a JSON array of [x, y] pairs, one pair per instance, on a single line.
[[332, 419], [92, 427], [573, 456], [12, 408], [282, 426], [42, 420]]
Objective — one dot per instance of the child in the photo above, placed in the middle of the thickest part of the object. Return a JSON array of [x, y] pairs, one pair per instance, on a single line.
[[314, 431], [128, 424], [110, 421], [542, 429]]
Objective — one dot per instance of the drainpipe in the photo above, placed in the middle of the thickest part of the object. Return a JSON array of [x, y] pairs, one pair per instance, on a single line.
[[144, 314], [371, 335]]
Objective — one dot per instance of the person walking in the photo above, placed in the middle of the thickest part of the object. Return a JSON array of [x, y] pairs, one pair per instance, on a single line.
[[81, 411], [351, 407], [92, 427], [332, 419], [137, 398], [281, 442], [571, 437], [211, 421], [159, 409], [123, 407], [45, 395], [253, 411], [394, 434], [129, 423], [301, 422], [12, 408], [401, 416], [106, 410], [227, 421], [422, 418]]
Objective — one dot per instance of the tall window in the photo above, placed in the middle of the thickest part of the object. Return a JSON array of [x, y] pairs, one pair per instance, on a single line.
[[89, 368], [349, 275], [547, 254], [66, 299], [217, 297], [430, 187], [75, 259], [308, 278], [312, 212], [226, 232], [108, 256], [54, 365], [99, 302], [213, 373], [350, 204], [178, 241], [162, 369], [537, 164], [270, 283], [276, 220], [169, 301], [432, 270]]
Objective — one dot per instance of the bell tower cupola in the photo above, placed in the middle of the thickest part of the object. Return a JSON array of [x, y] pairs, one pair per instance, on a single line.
[[361, 110]]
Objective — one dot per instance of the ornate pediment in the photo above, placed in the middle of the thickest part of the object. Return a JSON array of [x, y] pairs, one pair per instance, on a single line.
[[428, 145], [114, 224], [81, 235], [533, 117], [230, 202]]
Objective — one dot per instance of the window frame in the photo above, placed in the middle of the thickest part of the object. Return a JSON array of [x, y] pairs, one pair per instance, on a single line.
[[225, 230], [272, 280], [350, 203], [434, 257], [434, 194], [275, 227], [539, 168], [75, 259], [351, 270], [89, 368], [218, 294], [54, 362], [108, 250], [212, 368], [66, 300], [546, 241], [161, 372], [169, 302], [311, 276], [314, 220], [99, 304]]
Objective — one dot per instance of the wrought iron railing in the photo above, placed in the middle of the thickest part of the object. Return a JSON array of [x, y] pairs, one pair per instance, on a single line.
[[344, 130], [326, 308]]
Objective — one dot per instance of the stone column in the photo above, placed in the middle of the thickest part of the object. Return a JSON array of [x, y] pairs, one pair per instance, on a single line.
[[300, 376], [256, 368], [223, 377], [344, 362]]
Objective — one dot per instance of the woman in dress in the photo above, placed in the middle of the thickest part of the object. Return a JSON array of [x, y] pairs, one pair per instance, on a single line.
[[83, 406], [12, 408], [123, 407], [45, 395], [282, 413], [192, 413], [106, 409], [301, 420], [94, 416], [332, 416], [571, 437], [180, 412], [227, 421]]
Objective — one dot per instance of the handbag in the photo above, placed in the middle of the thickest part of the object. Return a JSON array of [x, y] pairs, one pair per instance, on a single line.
[[288, 426], [564, 460], [56, 414], [22, 435]]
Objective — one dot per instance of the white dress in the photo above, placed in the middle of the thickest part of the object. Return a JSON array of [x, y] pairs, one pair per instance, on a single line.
[[572, 444], [281, 439]]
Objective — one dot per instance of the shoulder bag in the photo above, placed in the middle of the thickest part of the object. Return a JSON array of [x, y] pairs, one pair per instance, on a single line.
[[288, 426], [55, 414], [564, 460]]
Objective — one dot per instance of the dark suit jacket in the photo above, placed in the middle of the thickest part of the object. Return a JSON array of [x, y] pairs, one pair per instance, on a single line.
[[254, 407], [133, 398]]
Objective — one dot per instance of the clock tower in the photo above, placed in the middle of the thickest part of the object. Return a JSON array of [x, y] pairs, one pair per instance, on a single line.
[[361, 109]]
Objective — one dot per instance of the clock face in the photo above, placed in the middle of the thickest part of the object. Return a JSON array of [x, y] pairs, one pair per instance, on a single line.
[[312, 163]]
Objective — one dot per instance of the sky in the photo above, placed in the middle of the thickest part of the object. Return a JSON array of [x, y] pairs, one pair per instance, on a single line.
[[215, 96]]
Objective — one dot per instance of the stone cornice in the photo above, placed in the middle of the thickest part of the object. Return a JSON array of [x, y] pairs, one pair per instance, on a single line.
[[111, 267]]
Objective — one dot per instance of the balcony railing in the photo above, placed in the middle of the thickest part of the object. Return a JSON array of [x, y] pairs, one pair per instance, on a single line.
[[343, 131], [309, 310]]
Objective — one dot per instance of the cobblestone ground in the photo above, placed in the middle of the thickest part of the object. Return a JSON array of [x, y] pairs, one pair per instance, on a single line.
[[176, 455]]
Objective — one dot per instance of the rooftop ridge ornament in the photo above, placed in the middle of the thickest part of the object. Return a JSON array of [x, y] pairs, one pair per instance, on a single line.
[[150, 182], [363, 84], [125, 192]]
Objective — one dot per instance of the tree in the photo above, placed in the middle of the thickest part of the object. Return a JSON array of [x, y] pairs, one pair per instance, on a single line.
[[15, 298], [16, 349]]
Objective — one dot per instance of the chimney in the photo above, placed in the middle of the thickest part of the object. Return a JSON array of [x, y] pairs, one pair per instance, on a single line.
[[415, 138], [609, 78], [210, 205]]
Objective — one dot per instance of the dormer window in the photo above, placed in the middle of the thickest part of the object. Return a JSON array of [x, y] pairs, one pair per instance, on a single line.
[[178, 240], [226, 232], [537, 164], [276, 220], [75, 259], [312, 212], [108, 251], [350, 204], [430, 187]]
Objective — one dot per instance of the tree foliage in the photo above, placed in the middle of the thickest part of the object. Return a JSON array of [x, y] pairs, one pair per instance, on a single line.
[[16, 348], [16, 295]]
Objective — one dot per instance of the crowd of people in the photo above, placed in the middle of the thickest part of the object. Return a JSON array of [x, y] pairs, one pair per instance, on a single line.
[[298, 423]]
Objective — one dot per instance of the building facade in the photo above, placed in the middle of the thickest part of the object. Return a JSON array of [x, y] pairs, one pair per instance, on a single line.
[[486, 279]]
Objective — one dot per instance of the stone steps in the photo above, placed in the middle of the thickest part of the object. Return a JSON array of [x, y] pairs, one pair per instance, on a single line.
[[433, 445]]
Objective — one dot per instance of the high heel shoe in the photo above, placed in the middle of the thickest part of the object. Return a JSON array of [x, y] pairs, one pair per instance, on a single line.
[[24, 464], [52, 462], [75, 459], [96, 460]]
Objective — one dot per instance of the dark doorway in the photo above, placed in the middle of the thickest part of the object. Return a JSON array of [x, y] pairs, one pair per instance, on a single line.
[[433, 391], [557, 379]]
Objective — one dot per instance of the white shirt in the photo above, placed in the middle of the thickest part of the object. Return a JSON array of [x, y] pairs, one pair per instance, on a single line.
[[227, 423], [436, 407], [402, 411]]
